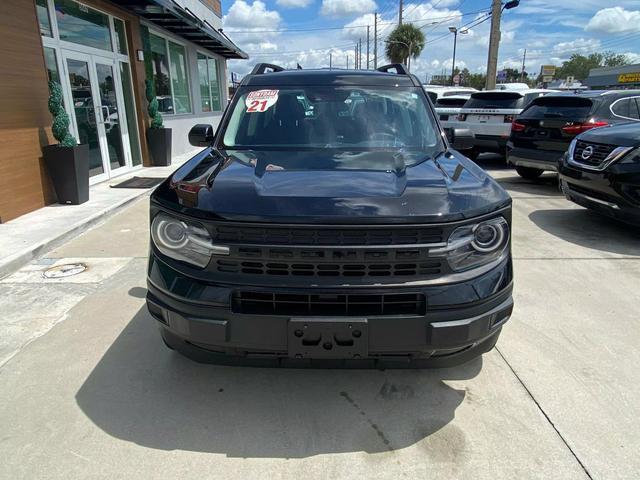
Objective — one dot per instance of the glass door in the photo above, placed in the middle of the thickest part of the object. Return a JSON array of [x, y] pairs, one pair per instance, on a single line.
[[98, 113], [85, 114], [111, 116]]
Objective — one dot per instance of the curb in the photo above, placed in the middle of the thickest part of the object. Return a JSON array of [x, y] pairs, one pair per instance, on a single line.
[[14, 262]]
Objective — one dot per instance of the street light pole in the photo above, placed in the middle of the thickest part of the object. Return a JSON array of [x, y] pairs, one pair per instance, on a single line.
[[455, 31]]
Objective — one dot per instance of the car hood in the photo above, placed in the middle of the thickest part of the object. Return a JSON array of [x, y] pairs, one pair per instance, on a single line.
[[333, 187], [624, 135]]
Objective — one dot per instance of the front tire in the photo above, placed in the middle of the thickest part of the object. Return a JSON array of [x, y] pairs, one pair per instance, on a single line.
[[529, 173]]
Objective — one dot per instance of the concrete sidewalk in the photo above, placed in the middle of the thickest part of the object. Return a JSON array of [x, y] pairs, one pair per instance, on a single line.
[[33, 234]]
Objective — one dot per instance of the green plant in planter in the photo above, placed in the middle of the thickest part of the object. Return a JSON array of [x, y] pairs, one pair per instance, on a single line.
[[156, 118], [60, 126]]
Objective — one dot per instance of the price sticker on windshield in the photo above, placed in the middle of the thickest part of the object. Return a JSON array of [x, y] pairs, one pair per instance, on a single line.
[[261, 100]]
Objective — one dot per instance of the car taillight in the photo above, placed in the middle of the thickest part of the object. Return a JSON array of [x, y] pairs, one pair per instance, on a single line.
[[462, 117], [576, 128], [508, 118], [517, 127]]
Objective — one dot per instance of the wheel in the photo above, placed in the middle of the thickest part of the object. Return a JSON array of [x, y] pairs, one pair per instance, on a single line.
[[529, 173]]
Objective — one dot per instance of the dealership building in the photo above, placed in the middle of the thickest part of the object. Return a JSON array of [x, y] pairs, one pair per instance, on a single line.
[[101, 52], [625, 77]]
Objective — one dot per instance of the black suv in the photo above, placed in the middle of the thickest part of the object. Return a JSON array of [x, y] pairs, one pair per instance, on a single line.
[[328, 222], [601, 171], [542, 132]]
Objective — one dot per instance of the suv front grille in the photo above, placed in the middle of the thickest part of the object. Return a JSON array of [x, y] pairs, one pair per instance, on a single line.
[[427, 269], [336, 236], [597, 158], [259, 303]]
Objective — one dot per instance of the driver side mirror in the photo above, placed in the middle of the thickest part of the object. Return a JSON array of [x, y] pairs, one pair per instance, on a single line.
[[201, 135], [460, 138]]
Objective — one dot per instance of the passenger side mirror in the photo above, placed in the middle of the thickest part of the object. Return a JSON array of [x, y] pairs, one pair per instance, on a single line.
[[460, 138], [201, 135]]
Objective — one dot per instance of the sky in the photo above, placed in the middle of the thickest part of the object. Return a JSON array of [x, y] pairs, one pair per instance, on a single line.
[[305, 32]]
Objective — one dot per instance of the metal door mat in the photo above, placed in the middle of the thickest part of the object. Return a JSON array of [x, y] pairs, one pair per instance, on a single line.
[[139, 182]]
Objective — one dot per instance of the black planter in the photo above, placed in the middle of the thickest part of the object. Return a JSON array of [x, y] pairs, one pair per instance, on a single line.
[[69, 171], [159, 140]]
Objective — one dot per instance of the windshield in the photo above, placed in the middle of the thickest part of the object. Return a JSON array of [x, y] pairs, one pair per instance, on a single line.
[[494, 100], [351, 118], [574, 108]]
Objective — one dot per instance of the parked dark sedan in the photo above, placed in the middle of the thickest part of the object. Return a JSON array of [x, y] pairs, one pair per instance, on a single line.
[[328, 220], [601, 171], [543, 131]]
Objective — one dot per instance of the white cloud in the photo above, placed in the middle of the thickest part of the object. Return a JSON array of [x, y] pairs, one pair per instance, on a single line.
[[358, 28], [294, 3], [614, 20], [580, 45], [346, 8], [244, 17]]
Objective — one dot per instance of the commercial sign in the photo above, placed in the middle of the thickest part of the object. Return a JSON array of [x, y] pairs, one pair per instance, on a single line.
[[629, 77], [548, 70]]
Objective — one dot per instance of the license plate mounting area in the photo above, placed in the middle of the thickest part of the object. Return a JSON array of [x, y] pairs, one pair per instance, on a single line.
[[321, 337]]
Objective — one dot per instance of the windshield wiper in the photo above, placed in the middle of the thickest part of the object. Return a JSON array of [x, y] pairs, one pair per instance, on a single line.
[[553, 115]]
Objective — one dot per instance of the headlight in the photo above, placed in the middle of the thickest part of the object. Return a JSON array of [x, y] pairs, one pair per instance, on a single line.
[[572, 148], [474, 245], [632, 157], [184, 240]]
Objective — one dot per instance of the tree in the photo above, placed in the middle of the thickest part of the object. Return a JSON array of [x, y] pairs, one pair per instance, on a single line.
[[405, 42], [475, 80], [578, 66]]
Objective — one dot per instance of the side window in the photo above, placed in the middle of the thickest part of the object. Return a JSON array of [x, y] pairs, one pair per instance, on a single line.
[[626, 108], [634, 108]]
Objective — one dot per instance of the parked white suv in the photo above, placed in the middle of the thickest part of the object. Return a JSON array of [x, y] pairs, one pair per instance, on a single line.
[[448, 108], [434, 92], [488, 115]]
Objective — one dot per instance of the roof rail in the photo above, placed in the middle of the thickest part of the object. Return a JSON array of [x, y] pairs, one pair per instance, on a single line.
[[261, 68], [399, 68]]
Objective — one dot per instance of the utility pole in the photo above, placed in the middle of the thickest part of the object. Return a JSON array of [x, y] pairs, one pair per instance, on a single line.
[[355, 59], [367, 47], [347, 61], [329, 60], [400, 13], [524, 59], [375, 40], [359, 53], [494, 43]]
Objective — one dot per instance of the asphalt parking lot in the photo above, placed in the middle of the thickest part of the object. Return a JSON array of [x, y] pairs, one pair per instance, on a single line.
[[87, 389]]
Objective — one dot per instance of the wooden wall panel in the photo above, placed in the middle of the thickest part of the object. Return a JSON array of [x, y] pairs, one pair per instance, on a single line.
[[24, 119]]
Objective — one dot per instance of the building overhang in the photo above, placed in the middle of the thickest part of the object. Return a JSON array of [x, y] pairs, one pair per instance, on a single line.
[[183, 23]]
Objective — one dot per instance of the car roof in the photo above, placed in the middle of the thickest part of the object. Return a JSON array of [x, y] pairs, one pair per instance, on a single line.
[[598, 93], [331, 77], [522, 92]]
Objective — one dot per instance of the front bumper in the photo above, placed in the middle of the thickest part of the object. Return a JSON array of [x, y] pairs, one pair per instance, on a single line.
[[461, 321], [614, 192], [533, 158]]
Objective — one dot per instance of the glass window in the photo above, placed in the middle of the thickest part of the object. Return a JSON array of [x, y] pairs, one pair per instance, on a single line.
[[215, 85], [626, 108], [203, 80], [80, 24], [51, 64], [168, 66], [129, 108], [179, 81], [209, 85], [160, 72], [43, 18], [121, 37]]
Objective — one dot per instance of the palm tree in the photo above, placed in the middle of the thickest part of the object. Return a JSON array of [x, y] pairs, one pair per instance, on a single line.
[[404, 43]]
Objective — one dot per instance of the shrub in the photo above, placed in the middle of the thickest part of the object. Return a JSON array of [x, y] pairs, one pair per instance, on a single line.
[[60, 126], [156, 118]]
